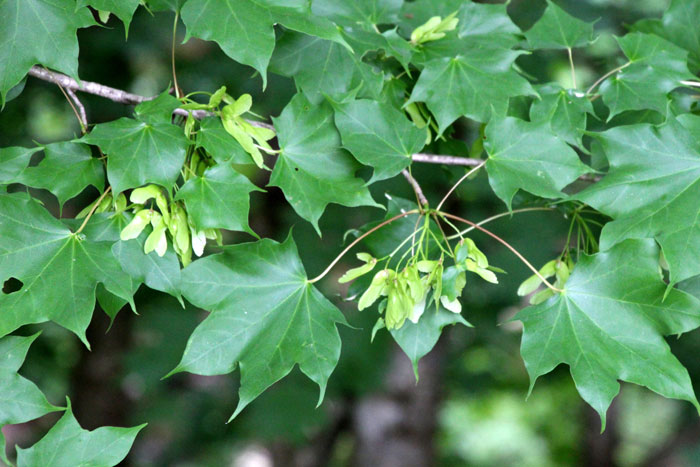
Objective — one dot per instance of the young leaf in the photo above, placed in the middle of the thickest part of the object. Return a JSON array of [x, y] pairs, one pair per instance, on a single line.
[[528, 156], [651, 190], [378, 135], [609, 324], [68, 444], [218, 199], [140, 153], [265, 317], [312, 169], [557, 29], [38, 32]]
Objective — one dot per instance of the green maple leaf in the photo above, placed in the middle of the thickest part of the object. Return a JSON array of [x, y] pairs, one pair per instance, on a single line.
[[679, 25], [139, 152], [378, 135], [417, 339], [66, 170], [655, 68], [651, 190], [321, 67], [313, 170], [608, 325], [41, 252], [13, 161], [38, 32], [122, 9], [22, 400], [472, 84], [362, 12], [67, 444], [244, 28], [213, 137], [488, 25], [557, 29], [218, 199], [565, 110], [528, 156], [390, 42], [265, 317]]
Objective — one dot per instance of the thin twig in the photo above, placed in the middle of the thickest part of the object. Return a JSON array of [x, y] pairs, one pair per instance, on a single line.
[[573, 70], [504, 243], [358, 240], [81, 109], [178, 93], [694, 84], [497, 216], [606, 75], [92, 211], [454, 187], [422, 200]]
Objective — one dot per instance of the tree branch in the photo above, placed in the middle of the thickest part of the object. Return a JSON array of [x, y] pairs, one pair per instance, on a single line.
[[447, 160], [123, 97], [416, 187], [115, 95]]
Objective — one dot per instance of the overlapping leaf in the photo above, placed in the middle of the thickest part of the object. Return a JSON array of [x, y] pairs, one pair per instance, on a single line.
[[38, 32], [360, 12], [417, 339], [608, 325], [473, 84], [21, 399], [378, 135], [651, 190], [122, 9], [41, 252], [66, 170], [218, 199], [557, 29], [220, 144], [139, 152], [313, 170], [13, 160], [565, 110], [67, 443], [321, 67], [243, 28], [265, 317], [655, 68], [678, 25], [528, 156]]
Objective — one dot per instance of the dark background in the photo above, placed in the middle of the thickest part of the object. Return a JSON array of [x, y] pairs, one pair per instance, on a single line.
[[469, 407]]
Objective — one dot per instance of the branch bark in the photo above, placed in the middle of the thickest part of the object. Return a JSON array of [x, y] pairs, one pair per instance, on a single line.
[[416, 187]]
